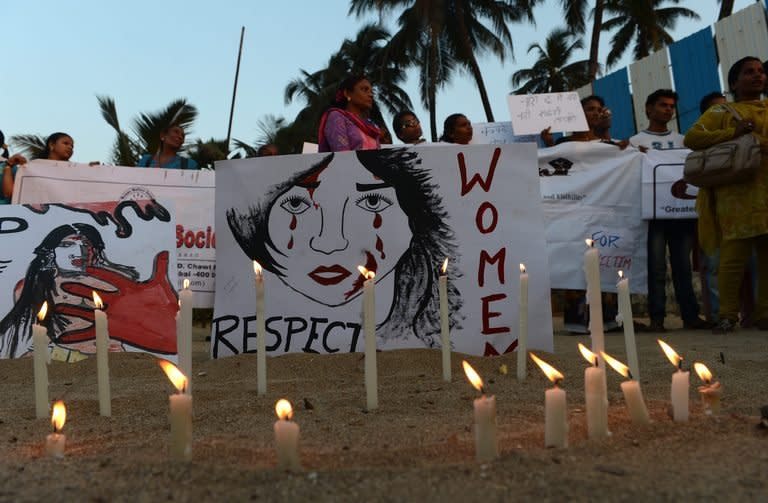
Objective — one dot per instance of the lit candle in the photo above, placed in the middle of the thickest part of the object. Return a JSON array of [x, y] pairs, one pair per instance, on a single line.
[[486, 444], [711, 391], [181, 414], [680, 384], [286, 437], [596, 396], [40, 346], [54, 442], [369, 329], [633, 395], [625, 318], [184, 332], [102, 356], [555, 412], [445, 330], [522, 338], [592, 271], [261, 332]]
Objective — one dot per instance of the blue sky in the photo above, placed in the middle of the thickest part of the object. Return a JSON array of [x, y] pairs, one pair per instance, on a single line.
[[58, 56]]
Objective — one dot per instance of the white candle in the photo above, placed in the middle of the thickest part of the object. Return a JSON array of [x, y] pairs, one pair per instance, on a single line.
[[710, 392], [633, 395], [102, 357], [40, 361], [680, 384], [184, 332], [555, 410], [486, 443], [522, 339], [261, 332], [592, 271], [596, 398], [286, 437], [625, 312], [369, 331], [445, 331], [55, 442], [180, 414]]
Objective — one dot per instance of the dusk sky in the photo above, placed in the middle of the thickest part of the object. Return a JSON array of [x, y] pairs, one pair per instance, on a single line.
[[60, 55]]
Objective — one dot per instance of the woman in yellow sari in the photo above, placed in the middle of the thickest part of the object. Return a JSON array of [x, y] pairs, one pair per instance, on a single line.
[[735, 217]]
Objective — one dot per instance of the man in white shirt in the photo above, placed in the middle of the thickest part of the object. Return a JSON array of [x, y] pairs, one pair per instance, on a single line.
[[677, 234]]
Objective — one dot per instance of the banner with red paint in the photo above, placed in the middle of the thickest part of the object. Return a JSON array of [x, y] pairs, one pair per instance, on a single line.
[[310, 220], [60, 254], [191, 191]]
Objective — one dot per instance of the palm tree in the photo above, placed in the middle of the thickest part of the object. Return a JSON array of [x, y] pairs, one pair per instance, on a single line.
[[362, 55], [451, 31], [643, 24], [575, 16], [31, 145], [552, 71], [205, 153], [147, 128]]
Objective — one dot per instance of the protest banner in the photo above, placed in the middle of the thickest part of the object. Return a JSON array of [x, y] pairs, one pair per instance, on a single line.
[[61, 253], [665, 195], [190, 191], [590, 190], [497, 133], [532, 113], [310, 220]]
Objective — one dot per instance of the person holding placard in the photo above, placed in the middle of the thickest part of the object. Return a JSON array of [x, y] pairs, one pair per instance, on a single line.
[[167, 155], [457, 129], [347, 124], [407, 128]]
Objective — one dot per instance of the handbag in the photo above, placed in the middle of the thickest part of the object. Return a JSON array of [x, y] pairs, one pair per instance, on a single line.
[[729, 162]]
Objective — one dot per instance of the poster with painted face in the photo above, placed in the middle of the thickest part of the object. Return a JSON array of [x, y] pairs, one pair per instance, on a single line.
[[311, 220], [60, 254]]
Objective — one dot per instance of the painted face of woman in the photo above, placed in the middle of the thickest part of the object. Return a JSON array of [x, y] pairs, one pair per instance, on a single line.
[[333, 221], [72, 254]]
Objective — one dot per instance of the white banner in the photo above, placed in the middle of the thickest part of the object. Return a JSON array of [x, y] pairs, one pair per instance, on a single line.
[[590, 190], [192, 192], [665, 194], [310, 220], [62, 253]]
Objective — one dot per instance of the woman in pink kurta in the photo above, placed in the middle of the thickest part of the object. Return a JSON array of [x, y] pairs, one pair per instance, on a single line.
[[346, 125]]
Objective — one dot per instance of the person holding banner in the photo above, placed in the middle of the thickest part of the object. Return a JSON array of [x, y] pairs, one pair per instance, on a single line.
[[457, 129], [58, 147], [407, 128], [304, 234], [8, 165], [347, 124], [735, 216], [167, 156]]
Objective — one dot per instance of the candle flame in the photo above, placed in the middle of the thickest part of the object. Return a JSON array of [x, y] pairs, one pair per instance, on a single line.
[[59, 416], [445, 265], [588, 355], [97, 300], [590, 243], [522, 268], [43, 311], [256, 268], [366, 273], [178, 379], [551, 372], [283, 409], [621, 274], [474, 377], [703, 372], [186, 283], [673, 357], [616, 364]]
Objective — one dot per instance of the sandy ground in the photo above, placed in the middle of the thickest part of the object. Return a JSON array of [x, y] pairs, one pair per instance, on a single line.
[[417, 446]]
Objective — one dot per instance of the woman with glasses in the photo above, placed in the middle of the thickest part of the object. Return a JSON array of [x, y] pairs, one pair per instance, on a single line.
[[408, 128]]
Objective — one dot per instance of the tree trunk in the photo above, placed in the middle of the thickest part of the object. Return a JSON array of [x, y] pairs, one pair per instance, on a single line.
[[470, 59], [726, 9], [432, 84], [597, 27]]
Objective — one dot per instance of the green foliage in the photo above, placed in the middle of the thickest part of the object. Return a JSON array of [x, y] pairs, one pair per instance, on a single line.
[[30, 145], [552, 72]]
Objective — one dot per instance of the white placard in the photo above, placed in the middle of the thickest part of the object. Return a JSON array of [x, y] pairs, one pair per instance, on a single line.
[[497, 133], [310, 220], [532, 113]]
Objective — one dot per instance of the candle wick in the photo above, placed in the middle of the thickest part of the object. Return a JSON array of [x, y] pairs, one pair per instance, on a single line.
[[629, 374]]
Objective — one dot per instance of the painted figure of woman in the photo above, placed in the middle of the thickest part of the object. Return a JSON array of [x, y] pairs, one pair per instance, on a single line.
[[303, 233]]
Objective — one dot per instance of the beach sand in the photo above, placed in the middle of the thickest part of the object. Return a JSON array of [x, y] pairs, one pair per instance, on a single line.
[[417, 446]]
